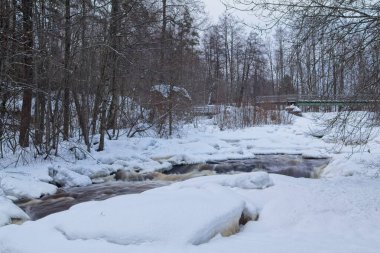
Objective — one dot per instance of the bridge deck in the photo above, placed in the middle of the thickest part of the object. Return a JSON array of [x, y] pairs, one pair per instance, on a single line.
[[312, 100]]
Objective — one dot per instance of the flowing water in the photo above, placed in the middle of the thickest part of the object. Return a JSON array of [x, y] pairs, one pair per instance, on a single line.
[[65, 198], [130, 183], [289, 165]]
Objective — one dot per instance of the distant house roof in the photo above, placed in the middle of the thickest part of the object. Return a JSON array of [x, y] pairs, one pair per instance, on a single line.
[[164, 90]]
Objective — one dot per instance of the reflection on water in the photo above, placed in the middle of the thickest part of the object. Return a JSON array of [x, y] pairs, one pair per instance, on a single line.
[[131, 182], [67, 197]]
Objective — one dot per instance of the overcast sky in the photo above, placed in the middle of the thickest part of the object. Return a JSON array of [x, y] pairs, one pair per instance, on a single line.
[[215, 8]]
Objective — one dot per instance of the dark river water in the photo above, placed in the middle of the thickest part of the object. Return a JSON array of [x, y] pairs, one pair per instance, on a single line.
[[130, 183], [290, 165]]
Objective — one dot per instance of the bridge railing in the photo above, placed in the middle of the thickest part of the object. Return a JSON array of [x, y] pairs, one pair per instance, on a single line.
[[311, 98], [206, 110]]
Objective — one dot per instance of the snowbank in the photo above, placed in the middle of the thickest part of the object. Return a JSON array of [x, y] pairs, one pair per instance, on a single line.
[[317, 154], [186, 216], [305, 215], [254, 180], [9, 211], [68, 178], [211, 212], [197, 145], [295, 215], [19, 185], [357, 164]]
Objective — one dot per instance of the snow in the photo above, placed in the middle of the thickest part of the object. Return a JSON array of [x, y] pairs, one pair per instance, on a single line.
[[222, 211], [207, 142], [358, 164], [9, 211], [19, 185], [293, 108], [68, 178], [325, 215], [197, 144], [317, 154], [187, 216], [340, 212], [255, 180], [298, 215]]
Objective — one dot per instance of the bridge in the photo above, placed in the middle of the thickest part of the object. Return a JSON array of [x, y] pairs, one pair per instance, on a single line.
[[298, 100], [312, 100], [206, 110]]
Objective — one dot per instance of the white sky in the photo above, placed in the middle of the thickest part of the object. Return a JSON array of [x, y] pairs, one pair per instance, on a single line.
[[215, 8]]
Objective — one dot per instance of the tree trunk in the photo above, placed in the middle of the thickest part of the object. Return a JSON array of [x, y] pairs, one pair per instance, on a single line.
[[82, 119], [27, 12], [66, 95], [114, 30], [103, 96]]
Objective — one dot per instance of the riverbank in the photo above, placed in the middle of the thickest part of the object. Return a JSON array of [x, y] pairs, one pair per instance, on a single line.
[[284, 214], [196, 145], [204, 143]]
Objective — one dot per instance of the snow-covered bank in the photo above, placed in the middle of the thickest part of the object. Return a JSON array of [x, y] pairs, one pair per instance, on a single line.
[[302, 215], [326, 215], [190, 215], [197, 144], [9, 211]]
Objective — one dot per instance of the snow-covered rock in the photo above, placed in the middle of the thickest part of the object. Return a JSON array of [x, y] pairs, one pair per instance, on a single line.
[[256, 180], [21, 186], [68, 178], [9, 211], [211, 213], [253, 180], [188, 216], [94, 170]]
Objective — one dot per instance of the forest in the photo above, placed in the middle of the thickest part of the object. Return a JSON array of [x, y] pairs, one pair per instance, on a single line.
[[190, 126], [83, 71]]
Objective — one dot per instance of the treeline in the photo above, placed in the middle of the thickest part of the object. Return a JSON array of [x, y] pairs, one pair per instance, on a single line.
[[81, 68], [326, 47], [88, 69]]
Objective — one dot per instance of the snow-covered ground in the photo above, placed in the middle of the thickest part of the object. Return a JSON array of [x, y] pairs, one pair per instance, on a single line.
[[295, 215], [338, 213]]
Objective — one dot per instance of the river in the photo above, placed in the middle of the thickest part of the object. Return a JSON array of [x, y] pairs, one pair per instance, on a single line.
[[131, 183]]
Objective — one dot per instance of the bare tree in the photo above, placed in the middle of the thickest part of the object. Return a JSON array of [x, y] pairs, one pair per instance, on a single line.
[[27, 17]]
